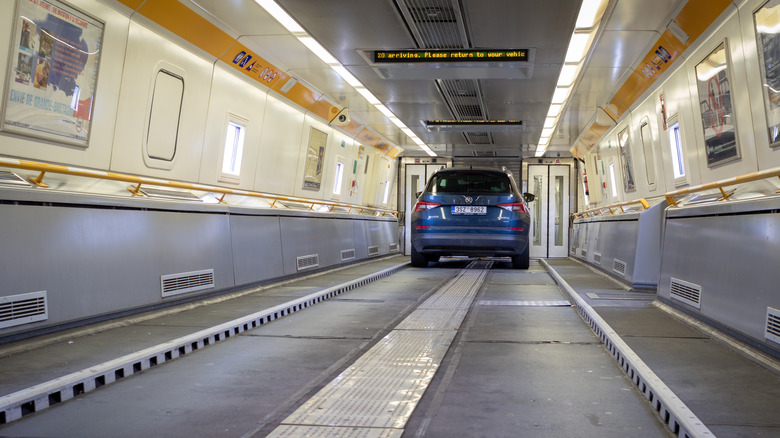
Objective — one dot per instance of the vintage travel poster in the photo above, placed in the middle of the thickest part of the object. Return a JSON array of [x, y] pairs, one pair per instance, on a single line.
[[54, 66]]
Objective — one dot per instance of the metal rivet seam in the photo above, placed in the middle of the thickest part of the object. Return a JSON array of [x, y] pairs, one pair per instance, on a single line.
[[16, 405]]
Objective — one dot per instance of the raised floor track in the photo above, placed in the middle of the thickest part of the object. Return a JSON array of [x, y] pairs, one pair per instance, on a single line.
[[461, 348]]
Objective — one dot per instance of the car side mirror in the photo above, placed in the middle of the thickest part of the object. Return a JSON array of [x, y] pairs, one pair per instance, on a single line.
[[529, 197]]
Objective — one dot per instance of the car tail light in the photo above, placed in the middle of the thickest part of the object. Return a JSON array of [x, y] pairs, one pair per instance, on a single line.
[[515, 206], [425, 205]]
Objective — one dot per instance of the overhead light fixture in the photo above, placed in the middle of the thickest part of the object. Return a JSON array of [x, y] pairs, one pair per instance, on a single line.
[[590, 13], [397, 122], [560, 95], [568, 75], [281, 16], [318, 50], [555, 110], [578, 46], [347, 76], [368, 95], [549, 122]]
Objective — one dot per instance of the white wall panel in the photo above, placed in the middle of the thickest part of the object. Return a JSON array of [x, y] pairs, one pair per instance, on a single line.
[[147, 52], [98, 153], [232, 95], [280, 151]]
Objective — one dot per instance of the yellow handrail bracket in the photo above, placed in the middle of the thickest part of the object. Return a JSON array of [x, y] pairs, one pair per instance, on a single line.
[[39, 180]]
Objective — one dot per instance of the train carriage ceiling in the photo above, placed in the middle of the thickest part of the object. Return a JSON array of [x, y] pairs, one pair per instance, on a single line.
[[351, 29]]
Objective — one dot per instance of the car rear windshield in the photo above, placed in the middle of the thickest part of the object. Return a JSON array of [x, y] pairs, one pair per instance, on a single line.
[[470, 182]]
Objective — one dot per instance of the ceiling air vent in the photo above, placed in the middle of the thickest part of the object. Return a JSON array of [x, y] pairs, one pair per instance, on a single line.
[[373, 250], [8, 178], [597, 257], [184, 282], [347, 254], [307, 261], [773, 324], [685, 292], [484, 153], [619, 266], [23, 309], [393, 247]]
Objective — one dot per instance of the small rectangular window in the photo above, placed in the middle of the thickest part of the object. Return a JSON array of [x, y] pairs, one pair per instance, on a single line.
[[613, 179], [387, 192], [233, 149], [677, 152], [339, 178]]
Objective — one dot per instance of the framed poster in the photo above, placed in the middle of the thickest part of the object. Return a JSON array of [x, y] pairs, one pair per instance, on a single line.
[[717, 112], [767, 21], [53, 70], [312, 175]]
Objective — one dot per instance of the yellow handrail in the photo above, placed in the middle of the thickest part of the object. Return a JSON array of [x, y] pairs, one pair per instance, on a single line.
[[749, 177], [141, 180], [598, 211]]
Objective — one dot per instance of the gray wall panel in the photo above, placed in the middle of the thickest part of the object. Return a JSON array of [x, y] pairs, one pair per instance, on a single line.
[[302, 236], [257, 248], [734, 259]]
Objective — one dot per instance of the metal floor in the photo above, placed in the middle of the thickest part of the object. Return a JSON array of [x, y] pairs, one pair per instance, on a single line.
[[443, 351]]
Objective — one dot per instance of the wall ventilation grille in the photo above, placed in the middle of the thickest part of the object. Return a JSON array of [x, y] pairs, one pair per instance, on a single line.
[[393, 247], [619, 266], [307, 261], [597, 257], [583, 252], [773, 324], [23, 309], [373, 250], [347, 254], [685, 292], [174, 284]]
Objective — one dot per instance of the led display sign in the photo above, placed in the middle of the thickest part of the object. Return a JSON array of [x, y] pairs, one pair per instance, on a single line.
[[473, 122], [433, 56]]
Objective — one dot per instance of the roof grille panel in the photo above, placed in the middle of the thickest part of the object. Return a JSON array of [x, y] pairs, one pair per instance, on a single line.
[[435, 24]]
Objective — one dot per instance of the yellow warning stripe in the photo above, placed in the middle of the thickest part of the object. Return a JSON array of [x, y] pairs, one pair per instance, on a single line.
[[193, 28]]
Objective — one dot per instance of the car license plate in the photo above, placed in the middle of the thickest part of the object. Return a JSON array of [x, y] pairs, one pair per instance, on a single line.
[[469, 209]]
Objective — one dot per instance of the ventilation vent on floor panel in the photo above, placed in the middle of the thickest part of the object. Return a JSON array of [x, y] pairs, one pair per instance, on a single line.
[[773, 324], [174, 284], [8, 178], [597, 257], [583, 252], [619, 266], [373, 250], [347, 254], [23, 309], [307, 261], [685, 292], [393, 247]]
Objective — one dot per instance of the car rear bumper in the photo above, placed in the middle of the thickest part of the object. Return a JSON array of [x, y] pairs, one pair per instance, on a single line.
[[470, 244]]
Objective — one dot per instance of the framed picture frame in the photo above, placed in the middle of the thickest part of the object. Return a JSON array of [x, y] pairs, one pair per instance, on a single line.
[[315, 156], [53, 70], [766, 21], [713, 82]]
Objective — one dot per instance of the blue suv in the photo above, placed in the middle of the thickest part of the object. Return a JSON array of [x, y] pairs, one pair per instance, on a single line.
[[471, 212]]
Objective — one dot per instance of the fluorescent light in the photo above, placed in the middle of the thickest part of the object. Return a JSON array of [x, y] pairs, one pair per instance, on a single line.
[[347, 76], [555, 110], [280, 15], [540, 150], [408, 132], [318, 50], [547, 132], [397, 122], [560, 95], [367, 94], [384, 110], [577, 47], [568, 75], [590, 13], [549, 122]]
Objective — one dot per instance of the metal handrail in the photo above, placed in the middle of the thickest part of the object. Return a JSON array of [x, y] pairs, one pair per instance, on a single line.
[[598, 211], [44, 168], [749, 177]]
